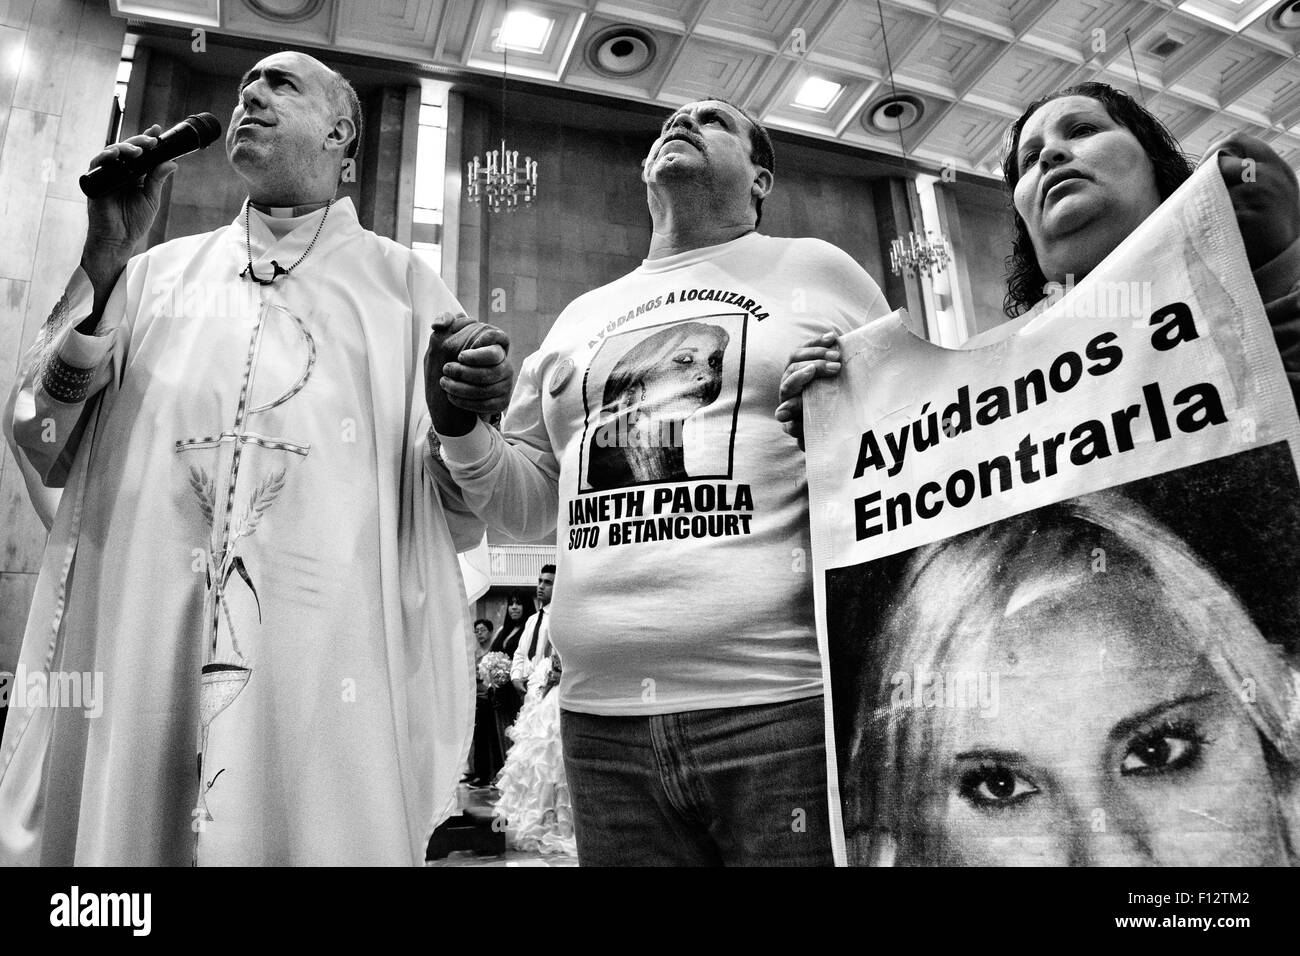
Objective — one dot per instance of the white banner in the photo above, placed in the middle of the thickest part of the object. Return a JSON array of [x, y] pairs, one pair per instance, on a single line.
[[1056, 576]]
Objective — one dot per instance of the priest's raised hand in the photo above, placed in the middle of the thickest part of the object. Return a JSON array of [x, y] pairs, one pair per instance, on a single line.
[[119, 220]]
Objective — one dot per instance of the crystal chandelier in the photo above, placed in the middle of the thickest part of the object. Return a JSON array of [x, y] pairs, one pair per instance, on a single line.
[[503, 180], [926, 254], [500, 177]]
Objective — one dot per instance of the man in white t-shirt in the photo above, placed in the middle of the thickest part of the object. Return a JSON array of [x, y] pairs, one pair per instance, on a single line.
[[536, 639], [693, 727]]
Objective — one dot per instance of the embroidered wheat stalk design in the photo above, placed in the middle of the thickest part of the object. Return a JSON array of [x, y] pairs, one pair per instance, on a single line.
[[262, 497], [202, 486]]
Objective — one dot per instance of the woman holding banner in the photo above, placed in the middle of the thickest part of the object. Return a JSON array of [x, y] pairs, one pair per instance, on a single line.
[[1137, 715], [1127, 709], [1085, 166]]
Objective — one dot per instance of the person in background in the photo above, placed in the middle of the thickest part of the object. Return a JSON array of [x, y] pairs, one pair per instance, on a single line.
[[487, 754], [506, 700], [534, 803], [519, 608], [536, 642], [483, 629]]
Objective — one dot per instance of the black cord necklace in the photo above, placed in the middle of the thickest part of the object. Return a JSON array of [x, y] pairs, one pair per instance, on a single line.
[[277, 269]]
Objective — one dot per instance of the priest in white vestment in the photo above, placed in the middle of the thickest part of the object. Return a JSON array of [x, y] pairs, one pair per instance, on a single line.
[[254, 547]]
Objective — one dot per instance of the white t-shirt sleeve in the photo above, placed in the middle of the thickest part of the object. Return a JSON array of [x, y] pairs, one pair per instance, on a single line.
[[855, 297], [510, 479]]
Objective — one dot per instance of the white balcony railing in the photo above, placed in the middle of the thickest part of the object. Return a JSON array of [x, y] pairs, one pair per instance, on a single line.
[[517, 565]]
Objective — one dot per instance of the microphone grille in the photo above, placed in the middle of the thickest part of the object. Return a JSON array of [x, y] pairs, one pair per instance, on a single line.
[[207, 126]]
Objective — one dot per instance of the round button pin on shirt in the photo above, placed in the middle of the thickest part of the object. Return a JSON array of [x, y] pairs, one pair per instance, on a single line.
[[560, 377]]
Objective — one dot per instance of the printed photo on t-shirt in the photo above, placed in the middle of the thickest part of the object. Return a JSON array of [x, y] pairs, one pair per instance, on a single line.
[[661, 402]]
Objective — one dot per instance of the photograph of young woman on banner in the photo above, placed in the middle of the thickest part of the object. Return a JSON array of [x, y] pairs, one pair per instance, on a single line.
[[1073, 686]]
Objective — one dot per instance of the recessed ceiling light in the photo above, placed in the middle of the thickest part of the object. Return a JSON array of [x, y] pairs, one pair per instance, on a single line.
[[893, 113], [621, 50], [817, 94], [285, 11], [1285, 18], [525, 31]]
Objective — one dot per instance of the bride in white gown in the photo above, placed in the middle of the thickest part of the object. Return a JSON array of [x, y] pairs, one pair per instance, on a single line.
[[534, 798]]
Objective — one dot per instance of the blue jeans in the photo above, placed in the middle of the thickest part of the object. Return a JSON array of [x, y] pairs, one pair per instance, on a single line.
[[737, 786]]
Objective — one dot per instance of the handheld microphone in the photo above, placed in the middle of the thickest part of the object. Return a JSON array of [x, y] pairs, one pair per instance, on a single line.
[[193, 132]]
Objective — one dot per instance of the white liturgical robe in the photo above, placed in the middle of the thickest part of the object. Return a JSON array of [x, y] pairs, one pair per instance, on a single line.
[[254, 560]]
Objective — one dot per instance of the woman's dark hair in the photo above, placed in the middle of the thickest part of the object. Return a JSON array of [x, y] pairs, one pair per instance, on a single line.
[[509, 626], [1025, 280]]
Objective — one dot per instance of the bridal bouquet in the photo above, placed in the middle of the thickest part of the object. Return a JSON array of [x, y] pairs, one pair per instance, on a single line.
[[494, 669], [553, 672]]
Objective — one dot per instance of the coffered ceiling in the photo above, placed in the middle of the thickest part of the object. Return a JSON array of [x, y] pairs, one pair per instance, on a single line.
[[965, 68]]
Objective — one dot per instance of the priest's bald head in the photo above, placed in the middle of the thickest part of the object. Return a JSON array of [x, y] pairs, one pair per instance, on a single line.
[[295, 123]]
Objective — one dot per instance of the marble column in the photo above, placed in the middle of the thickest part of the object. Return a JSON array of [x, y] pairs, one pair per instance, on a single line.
[[58, 65]]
